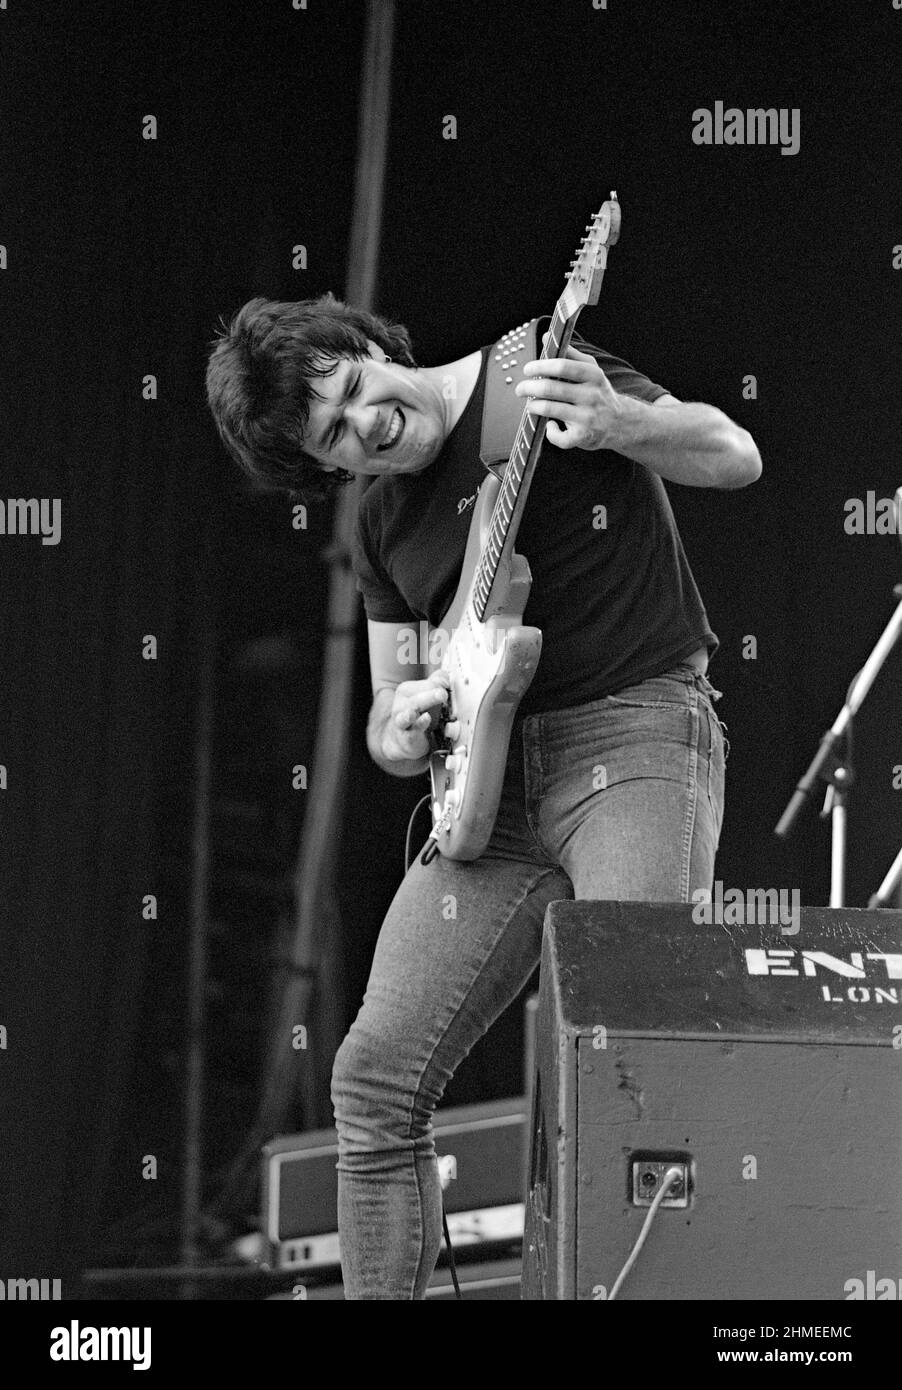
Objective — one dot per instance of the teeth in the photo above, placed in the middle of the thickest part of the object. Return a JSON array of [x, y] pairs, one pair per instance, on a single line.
[[394, 430]]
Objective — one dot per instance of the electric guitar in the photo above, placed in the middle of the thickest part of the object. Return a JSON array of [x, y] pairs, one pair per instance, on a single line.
[[490, 656]]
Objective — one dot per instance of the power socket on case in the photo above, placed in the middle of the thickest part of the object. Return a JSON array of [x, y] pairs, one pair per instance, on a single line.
[[646, 1175]]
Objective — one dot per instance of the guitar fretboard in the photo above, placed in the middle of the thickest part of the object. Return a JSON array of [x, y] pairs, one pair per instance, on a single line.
[[518, 474]]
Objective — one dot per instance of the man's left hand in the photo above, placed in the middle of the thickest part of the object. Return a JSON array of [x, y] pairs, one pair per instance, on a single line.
[[584, 410]]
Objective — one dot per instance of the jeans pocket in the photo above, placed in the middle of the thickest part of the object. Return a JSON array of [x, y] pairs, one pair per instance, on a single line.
[[708, 695], [718, 749], [722, 730], [670, 691]]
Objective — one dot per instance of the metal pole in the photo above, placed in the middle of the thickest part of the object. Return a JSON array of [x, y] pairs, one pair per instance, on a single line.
[[316, 907], [316, 910], [195, 1060]]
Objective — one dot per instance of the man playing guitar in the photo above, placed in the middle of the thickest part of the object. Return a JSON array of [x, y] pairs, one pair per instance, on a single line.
[[613, 786]]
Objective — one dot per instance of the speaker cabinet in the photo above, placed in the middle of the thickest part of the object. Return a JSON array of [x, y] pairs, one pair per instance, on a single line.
[[486, 1145], [765, 1062]]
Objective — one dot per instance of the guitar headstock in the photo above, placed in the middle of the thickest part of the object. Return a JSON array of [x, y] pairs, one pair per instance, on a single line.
[[588, 267]]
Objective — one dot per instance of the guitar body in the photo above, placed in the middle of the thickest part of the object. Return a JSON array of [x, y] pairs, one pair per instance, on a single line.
[[491, 665], [488, 652]]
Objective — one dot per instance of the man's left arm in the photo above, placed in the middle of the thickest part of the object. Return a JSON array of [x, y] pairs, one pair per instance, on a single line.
[[682, 441]]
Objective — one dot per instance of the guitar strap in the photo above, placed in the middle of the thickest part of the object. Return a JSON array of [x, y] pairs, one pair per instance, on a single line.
[[502, 409]]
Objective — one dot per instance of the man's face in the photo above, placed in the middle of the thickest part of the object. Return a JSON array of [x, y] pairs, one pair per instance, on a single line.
[[373, 416]]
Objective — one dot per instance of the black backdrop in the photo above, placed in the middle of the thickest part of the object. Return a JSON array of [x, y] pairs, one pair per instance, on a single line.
[[121, 255]]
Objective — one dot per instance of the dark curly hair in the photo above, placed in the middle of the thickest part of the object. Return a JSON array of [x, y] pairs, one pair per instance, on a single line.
[[258, 383]]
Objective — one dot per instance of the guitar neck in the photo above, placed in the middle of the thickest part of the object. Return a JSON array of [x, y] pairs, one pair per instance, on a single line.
[[518, 475]]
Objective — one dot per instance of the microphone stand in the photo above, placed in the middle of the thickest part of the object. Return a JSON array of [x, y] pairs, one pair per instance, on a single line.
[[827, 766], [889, 885]]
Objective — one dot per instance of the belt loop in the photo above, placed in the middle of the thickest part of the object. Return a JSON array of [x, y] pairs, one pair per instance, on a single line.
[[707, 687]]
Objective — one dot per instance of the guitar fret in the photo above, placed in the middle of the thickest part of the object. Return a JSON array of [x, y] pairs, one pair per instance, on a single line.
[[496, 544], [512, 481]]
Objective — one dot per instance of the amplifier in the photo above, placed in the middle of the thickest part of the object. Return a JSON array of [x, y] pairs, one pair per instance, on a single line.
[[486, 1147], [480, 1282], [765, 1064]]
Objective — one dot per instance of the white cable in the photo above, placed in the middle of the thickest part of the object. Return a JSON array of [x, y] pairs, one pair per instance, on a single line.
[[670, 1177]]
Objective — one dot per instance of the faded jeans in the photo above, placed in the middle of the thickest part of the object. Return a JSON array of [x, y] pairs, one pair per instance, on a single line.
[[620, 798]]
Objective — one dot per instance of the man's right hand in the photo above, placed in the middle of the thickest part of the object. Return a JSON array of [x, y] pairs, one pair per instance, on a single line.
[[415, 711]]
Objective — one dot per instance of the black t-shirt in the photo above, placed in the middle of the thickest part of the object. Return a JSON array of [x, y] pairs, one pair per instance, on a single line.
[[616, 603]]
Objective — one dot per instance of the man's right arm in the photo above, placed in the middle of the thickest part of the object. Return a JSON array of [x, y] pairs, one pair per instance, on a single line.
[[405, 704], [384, 749]]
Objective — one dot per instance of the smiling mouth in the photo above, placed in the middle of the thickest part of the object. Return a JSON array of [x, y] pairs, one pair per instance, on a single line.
[[395, 429]]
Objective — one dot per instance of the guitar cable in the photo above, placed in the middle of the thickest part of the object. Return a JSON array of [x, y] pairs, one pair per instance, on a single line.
[[423, 801], [430, 850], [670, 1177], [426, 801]]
